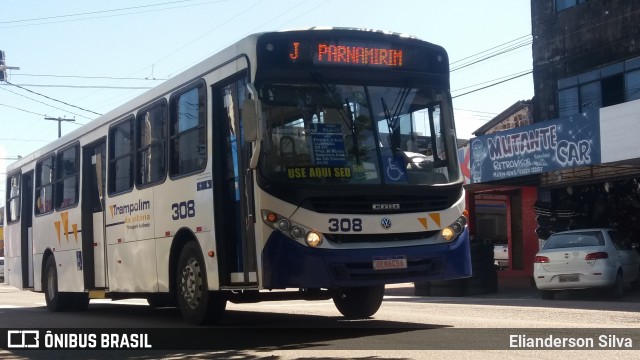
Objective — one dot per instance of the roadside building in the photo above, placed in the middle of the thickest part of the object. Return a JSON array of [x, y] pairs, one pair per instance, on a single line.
[[501, 209], [577, 163], [586, 60]]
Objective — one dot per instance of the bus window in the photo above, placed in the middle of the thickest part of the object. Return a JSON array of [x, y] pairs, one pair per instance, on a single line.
[[120, 157], [188, 146], [67, 170], [13, 198], [150, 140], [44, 186]]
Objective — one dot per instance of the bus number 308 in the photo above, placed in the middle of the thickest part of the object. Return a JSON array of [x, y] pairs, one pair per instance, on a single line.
[[345, 224], [183, 210]]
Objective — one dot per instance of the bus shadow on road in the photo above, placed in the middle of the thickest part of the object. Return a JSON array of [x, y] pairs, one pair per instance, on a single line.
[[240, 334], [119, 315]]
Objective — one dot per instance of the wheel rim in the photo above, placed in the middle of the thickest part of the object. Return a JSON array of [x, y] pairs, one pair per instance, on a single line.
[[191, 283], [51, 284]]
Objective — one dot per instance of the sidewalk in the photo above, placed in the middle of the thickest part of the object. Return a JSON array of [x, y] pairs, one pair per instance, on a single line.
[[506, 286]]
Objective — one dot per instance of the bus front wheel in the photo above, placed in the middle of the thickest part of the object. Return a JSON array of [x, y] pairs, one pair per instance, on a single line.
[[197, 304], [359, 302]]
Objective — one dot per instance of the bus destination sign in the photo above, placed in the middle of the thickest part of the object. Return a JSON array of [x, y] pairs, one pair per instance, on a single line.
[[329, 53]]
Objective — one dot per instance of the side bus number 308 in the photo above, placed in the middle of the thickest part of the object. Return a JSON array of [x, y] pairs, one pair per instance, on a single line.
[[345, 224], [183, 210]]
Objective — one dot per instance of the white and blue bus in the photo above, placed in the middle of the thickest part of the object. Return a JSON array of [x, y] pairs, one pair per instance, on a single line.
[[320, 163]]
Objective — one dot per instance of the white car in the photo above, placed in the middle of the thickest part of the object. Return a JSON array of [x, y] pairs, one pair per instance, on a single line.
[[588, 258], [1, 269], [501, 256]]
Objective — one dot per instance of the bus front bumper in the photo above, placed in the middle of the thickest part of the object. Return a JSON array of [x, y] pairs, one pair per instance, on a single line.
[[288, 264]]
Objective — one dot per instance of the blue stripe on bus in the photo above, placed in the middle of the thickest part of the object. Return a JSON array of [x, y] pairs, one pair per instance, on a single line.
[[114, 224]]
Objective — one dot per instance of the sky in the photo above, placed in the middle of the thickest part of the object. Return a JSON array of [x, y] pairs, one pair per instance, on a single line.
[[82, 58]]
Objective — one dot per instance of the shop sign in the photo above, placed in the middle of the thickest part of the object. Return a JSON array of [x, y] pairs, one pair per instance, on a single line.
[[546, 146]]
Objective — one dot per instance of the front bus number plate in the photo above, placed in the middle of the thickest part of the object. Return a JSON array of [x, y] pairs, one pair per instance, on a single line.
[[390, 262]]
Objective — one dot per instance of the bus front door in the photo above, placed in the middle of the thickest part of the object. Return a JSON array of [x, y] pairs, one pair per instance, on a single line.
[[93, 189], [233, 192], [26, 230]]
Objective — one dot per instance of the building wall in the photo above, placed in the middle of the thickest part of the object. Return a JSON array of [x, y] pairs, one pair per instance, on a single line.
[[521, 117], [574, 40]]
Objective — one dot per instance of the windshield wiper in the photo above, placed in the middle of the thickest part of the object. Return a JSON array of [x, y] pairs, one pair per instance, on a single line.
[[393, 120], [350, 123]]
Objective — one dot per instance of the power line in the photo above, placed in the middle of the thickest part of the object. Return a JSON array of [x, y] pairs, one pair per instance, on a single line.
[[492, 55], [217, 26], [494, 84], [50, 98], [492, 80], [193, 41], [43, 103], [90, 77], [105, 11], [29, 140], [85, 87], [482, 112], [17, 108], [489, 49]]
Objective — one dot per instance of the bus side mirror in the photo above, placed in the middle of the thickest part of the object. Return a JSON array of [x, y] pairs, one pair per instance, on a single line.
[[251, 113]]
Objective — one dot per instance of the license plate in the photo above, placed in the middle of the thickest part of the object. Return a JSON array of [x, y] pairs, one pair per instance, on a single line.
[[390, 262], [569, 278]]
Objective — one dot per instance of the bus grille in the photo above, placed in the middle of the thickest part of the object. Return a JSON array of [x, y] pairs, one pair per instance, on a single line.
[[365, 204], [360, 238]]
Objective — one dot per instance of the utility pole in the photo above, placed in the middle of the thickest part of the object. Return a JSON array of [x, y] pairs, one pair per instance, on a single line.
[[4, 67], [59, 120]]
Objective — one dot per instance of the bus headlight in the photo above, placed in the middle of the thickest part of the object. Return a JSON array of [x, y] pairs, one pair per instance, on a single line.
[[454, 230], [313, 239], [448, 234], [297, 232], [283, 224], [291, 229]]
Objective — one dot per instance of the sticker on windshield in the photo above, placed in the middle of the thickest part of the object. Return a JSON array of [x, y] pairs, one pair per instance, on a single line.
[[394, 169], [328, 145], [319, 172]]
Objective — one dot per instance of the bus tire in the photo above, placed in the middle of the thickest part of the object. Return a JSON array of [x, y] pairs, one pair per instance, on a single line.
[[422, 288], [56, 301], [159, 301], [197, 304], [80, 301], [359, 302]]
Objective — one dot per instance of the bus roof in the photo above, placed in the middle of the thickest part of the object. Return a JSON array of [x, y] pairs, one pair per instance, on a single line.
[[246, 45]]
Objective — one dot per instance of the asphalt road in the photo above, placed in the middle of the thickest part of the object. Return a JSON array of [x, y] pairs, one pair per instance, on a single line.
[[406, 327]]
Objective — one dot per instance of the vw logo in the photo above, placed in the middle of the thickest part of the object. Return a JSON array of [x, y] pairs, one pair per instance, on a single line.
[[385, 223]]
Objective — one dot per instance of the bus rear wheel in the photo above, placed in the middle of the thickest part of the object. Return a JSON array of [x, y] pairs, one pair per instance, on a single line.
[[359, 302], [197, 304], [56, 301]]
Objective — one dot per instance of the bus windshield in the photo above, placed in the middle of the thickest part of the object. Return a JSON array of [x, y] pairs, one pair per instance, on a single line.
[[340, 134]]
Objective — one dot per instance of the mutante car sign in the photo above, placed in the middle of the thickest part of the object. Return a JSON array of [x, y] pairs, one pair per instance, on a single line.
[[546, 146]]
